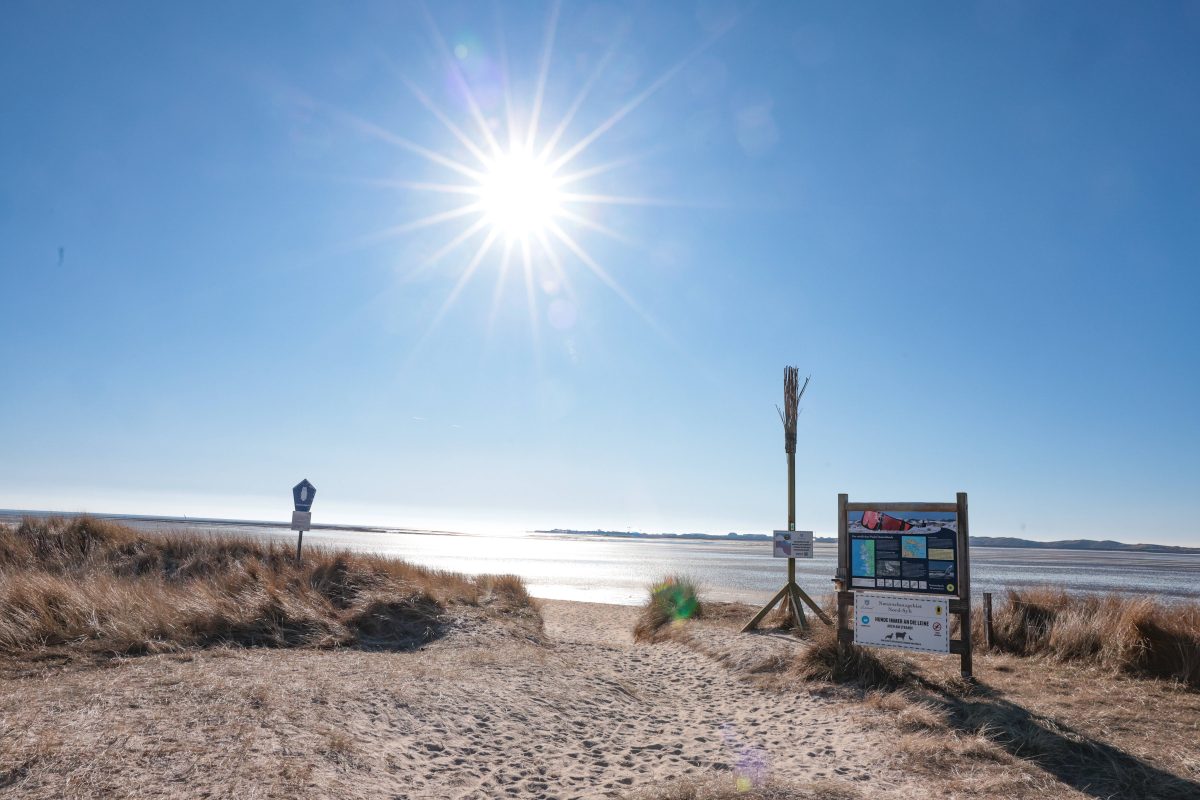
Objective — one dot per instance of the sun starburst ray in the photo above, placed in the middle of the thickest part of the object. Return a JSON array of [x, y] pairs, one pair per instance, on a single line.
[[531, 299], [617, 200], [464, 278], [446, 249], [384, 135], [460, 80], [599, 271], [498, 291], [577, 103], [543, 73], [556, 264], [611, 282], [510, 115], [598, 169], [591, 224], [393, 231], [439, 188], [636, 101], [435, 219], [455, 131]]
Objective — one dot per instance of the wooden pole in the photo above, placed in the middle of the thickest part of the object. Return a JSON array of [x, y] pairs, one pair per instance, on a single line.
[[299, 542], [964, 584], [796, 608], [988, 635], [843, 568], [794, 598]]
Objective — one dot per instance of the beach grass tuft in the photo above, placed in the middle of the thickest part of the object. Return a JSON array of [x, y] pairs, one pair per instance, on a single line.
[[102, 587], [673, 599], [823, 660]]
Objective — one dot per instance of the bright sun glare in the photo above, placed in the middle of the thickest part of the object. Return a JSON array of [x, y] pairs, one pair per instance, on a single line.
[[519, 195], [522, 198]]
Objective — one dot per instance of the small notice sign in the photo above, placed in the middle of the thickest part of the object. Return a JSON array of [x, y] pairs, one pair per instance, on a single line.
[[793, 544], [908, 622], [301, 520]]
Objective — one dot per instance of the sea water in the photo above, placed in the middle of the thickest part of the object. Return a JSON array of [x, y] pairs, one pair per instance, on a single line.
[[618, 570]]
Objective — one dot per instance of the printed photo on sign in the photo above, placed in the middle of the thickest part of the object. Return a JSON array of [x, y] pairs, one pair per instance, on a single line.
[[913, 522], [783, 544], [913, 547]]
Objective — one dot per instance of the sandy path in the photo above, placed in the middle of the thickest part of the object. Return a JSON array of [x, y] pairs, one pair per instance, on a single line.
[[587, 714], [602, 715]]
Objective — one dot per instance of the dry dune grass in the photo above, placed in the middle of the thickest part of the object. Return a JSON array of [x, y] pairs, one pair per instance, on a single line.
[[1077, 713], [822, 660], [1131, 635], [101, 587]]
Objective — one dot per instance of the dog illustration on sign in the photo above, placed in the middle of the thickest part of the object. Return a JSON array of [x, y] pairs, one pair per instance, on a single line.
[[898, 636]]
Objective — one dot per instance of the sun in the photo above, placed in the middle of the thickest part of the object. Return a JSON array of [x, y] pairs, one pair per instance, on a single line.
[[524, 199], [519, 195]]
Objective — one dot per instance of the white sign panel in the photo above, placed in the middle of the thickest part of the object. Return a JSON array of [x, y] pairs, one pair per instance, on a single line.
[[793, 544], [909, 622], [301, 520]]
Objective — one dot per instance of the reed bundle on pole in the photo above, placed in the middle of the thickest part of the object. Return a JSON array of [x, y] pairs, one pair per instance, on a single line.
[[790, 413]]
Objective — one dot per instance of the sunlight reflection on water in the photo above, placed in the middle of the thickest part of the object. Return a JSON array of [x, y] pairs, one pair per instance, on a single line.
[[613, 570]]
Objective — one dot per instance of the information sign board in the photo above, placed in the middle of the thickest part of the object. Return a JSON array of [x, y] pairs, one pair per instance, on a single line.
[[301, 520], [793, 544], [902, 621], [904, 551]]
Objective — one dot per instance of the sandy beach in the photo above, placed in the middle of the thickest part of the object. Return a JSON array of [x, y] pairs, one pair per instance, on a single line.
[[576, 709], [582, 712]]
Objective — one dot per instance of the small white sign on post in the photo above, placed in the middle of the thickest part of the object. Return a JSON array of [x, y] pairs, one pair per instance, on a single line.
[[908, 622], [793, 544], [301, 520]]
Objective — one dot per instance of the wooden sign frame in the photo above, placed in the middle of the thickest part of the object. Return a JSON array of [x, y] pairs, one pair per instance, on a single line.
[[959, 602]]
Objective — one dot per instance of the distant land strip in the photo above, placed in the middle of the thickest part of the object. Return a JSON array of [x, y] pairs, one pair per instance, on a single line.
[[14, 515], [976, 541]]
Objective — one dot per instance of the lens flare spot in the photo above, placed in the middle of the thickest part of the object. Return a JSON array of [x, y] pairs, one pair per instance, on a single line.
[[562, 314]]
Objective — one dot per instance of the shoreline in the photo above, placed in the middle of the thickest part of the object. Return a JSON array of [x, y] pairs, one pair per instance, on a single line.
[[136, 665]]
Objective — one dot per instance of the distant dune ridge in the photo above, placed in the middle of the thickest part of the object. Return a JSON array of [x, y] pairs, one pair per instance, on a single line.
[[976, 541]]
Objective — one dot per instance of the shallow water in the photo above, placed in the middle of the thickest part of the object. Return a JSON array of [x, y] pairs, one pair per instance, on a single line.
[[612, 570]]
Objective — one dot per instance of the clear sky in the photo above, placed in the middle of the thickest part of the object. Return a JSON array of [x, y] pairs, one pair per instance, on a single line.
[[224, 262]]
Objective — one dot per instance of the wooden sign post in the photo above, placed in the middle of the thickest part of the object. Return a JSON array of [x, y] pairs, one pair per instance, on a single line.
[[892, 550], [791, 594]]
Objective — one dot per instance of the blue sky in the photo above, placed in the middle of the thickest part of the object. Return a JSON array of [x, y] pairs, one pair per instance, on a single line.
[[974, 225]]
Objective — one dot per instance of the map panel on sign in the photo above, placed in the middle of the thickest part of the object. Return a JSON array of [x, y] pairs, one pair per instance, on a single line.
[[863, 554]]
